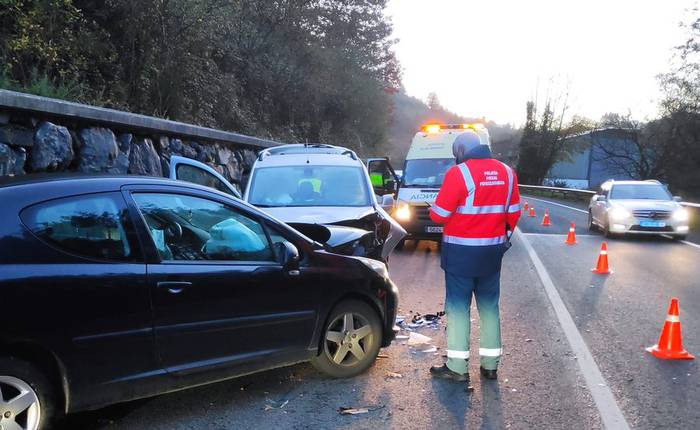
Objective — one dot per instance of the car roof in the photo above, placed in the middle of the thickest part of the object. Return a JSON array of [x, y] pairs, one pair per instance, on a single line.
[[307, 153], [97, 182]]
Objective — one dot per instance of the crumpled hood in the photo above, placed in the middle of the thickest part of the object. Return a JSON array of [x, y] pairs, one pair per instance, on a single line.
[[319, 215]]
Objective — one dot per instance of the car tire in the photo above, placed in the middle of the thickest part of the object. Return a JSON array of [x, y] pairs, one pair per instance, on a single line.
[[19, 377], [606, 228], [338, 355], [591, 225], [399, 246]]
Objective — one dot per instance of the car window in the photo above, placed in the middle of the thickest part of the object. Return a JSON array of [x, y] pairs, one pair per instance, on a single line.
[[90, 226], [426, 172], [309, 186], [192, 228], [193, 174]]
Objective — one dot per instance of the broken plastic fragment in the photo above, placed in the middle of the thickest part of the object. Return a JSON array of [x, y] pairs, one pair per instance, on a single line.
[[353, 411], [431, 349], [418, 339], [394, 375]]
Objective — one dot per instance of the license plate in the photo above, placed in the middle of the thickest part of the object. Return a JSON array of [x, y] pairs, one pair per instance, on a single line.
[[433, 229], [652, 224]]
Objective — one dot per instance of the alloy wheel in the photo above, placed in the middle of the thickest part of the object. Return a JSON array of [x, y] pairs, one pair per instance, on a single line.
[[348, 339], [19, 405]]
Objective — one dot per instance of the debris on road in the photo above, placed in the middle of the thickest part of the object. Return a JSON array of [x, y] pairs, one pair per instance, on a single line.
[[431, 349], [276, 405], [382, 356], [400, 337], [353, 411], [394, 375], [418, 339]]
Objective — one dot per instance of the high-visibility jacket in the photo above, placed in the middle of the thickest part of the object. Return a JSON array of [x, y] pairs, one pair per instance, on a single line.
[[476, 202]]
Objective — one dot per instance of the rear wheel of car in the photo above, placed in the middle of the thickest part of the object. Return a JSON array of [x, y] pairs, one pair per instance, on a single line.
[[351, 340], [27, 398]]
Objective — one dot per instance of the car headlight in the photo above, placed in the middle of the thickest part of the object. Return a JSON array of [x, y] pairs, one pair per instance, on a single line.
[[681, 215], [403, 213], [620, 213], [376, 266]]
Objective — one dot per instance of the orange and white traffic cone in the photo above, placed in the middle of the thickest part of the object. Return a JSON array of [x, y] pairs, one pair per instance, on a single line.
[[571, 238], [526, 207], [602, 266], [545, 219], [670, 346], [532, 212]]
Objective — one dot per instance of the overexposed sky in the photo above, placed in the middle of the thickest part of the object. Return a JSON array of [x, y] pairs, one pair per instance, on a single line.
[[486, 58]]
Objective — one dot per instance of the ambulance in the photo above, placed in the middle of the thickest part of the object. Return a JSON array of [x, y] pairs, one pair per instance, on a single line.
[[427, 162]]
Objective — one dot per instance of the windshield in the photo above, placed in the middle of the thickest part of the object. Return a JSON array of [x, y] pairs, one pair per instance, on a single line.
[[426, 172], [640, 192], [309, 186]]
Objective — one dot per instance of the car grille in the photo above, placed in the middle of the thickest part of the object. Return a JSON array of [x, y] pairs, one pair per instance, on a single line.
[[659, 229], [652, 214], [422, 213]]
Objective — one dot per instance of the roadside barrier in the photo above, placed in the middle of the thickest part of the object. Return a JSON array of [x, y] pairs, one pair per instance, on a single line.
[[545, 220], [670, 346], [571, 237], [602, 267]]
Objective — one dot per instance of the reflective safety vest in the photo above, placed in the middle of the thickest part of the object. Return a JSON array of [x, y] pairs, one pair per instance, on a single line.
[[478, 198]]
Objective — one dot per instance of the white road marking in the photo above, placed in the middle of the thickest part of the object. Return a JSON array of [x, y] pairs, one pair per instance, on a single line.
[[694, 245], [552, 203], [610, 412]]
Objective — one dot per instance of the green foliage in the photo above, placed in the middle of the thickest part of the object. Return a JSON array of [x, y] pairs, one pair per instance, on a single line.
[[296, 70]]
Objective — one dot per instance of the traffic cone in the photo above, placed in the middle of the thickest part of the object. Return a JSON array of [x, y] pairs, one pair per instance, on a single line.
[[532, 212], [571, 238], [670, 346], [526, 207], [545, 220], [602, 266]]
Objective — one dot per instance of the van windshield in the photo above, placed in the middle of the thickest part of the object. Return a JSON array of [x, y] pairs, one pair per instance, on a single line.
[[428, 172]]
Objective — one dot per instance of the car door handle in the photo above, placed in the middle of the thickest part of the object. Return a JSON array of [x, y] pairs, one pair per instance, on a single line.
[[174, 287]]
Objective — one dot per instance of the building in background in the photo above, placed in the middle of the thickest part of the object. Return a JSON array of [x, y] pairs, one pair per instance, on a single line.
[[594, 157]]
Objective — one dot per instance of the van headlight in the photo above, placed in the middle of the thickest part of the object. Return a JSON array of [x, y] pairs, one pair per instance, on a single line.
[[403, 212], [376, 266], [620, 213], [681, 215]]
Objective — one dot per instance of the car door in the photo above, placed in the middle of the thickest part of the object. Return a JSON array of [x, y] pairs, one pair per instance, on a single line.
[[599, 206], [187, 169], [382, 176], [91, 294], [220, 296]]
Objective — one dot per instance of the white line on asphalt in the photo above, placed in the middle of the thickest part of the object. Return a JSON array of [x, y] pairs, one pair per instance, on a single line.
[[694, 245], [556, 204], [609, 410]]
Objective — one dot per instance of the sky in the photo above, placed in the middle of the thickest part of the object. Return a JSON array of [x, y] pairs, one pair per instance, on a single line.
[[488, 58]]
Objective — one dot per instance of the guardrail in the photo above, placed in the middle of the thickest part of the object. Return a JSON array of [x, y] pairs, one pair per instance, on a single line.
[[581, 194]]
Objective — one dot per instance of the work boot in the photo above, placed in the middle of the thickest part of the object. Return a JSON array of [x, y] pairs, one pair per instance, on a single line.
[[444, 372], [489, 374]]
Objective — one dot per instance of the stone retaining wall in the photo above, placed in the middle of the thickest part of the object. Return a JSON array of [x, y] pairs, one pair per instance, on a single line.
[[38, 134]]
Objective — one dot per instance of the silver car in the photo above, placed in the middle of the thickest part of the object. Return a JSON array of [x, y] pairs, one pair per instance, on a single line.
[[637, 207]]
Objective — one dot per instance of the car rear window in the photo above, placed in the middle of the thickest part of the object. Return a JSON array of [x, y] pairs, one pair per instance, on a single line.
[[90, 226]]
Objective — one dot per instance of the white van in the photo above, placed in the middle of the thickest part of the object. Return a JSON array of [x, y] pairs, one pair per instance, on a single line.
[[428, 159]]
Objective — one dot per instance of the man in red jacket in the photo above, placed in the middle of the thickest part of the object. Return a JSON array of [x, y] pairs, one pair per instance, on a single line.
[[479, 205]]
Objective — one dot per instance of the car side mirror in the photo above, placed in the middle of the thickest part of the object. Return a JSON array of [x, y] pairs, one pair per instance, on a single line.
[[678, 198], [600, 198], [288, 255]]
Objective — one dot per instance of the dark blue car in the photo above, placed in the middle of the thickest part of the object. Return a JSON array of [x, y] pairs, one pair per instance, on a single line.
[[117, 288]]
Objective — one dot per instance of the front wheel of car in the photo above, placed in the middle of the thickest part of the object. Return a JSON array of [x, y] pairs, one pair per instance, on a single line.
[[680, 237], [591, 225], [351, 340], [399, 246], [27, 398]]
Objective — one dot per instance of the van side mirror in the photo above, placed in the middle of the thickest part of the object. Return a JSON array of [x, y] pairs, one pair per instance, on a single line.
[[678, 198], [288, 255], [388, 201]]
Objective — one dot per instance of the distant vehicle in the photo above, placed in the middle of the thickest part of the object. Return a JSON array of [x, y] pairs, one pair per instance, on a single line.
[[325, 192], [637, 207], [428, 159], [129, 287]]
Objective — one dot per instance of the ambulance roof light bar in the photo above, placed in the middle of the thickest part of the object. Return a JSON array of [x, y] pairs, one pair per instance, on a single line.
[[435, 128]]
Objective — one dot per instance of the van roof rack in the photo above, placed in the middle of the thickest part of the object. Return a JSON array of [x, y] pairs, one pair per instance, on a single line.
[[306, 148]]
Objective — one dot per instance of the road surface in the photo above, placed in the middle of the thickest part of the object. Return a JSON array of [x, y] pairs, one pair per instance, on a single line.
[[554, 375]]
